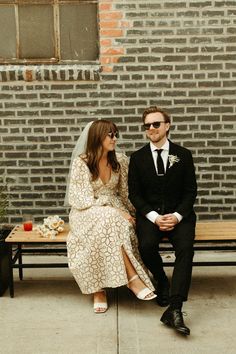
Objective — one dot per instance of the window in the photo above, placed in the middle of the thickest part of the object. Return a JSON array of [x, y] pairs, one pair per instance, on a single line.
[[48, 31]]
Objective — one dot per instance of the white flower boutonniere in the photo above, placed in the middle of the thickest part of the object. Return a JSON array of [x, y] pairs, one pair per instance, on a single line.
[[173, 159]]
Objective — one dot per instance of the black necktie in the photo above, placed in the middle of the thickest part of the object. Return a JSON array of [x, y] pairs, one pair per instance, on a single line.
[[160, 164]]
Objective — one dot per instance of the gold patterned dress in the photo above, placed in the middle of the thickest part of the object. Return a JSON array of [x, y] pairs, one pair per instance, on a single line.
[[98, 230]]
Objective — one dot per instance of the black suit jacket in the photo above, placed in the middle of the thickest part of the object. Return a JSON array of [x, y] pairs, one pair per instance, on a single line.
[[177, 190]]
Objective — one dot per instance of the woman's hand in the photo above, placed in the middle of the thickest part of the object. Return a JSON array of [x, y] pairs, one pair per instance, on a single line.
[[127, 216]]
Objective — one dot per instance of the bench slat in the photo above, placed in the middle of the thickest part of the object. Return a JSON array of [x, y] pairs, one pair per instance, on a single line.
[[216, 230], [205, 231]]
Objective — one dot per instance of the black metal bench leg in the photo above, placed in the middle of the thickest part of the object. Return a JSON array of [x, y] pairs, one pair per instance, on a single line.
[[10, 277], [20, 262]]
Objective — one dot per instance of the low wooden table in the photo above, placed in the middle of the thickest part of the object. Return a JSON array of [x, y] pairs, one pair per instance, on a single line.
[[18, 237]]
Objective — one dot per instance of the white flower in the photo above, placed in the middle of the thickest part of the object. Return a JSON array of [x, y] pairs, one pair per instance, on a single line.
[[51, 226], [173, 159], [51, 234]]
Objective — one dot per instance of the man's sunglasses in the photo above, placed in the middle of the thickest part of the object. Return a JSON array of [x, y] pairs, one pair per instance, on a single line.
[[113, 134], [154, 124]]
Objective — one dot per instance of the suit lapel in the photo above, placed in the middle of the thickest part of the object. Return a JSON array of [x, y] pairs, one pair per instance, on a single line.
[[148, 160]]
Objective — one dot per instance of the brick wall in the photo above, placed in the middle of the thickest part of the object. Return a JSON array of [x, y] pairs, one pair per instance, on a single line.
[[179, 55]]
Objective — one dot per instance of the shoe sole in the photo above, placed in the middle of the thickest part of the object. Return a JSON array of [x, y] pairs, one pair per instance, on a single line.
[[182, 331], [96, 311]]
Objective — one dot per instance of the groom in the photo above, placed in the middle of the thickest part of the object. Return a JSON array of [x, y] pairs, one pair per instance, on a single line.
[[162, 187]]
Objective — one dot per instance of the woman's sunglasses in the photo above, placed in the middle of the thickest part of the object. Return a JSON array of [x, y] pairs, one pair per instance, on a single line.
[[113, 134], [154, 124]]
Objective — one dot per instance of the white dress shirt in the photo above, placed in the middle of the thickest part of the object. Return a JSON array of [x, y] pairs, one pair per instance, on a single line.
[[152, 215]]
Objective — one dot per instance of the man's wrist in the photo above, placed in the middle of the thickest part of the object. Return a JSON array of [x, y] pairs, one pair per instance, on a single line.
[[178, 216], [152, 216]]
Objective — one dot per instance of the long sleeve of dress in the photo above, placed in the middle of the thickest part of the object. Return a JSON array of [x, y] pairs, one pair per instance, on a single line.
[[81, 194]]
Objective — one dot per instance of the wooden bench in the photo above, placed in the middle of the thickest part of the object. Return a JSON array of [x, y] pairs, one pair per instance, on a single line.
[[210, 236]]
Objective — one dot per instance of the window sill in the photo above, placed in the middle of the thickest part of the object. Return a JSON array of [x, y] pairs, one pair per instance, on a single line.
[[53, 72]]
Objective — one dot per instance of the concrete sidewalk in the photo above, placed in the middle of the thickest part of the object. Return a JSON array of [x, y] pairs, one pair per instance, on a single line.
[[49, 315]]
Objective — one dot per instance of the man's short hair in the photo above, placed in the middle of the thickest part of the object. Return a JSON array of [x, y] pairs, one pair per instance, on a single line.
[[154, 109]]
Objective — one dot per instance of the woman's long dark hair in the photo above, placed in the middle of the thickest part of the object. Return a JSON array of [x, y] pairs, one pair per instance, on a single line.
[[96, 135]]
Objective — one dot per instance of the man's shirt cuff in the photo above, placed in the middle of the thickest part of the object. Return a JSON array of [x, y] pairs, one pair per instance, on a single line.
[[179, 217], [152, 215]]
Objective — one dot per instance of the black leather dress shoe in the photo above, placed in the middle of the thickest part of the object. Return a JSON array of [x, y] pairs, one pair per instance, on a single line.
[[163, 297], [174, 319]]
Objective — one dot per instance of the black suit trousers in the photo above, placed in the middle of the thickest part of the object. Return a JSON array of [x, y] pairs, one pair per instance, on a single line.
[[182, 239]]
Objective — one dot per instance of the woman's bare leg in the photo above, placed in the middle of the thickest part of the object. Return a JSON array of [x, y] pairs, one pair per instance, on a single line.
[[128, 265], [137, 284], [100, 298]]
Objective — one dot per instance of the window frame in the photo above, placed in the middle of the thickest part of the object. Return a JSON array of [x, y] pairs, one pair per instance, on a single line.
[[56, 16]]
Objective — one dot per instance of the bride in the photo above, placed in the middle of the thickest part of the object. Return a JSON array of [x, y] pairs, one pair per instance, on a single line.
[[102, 245]]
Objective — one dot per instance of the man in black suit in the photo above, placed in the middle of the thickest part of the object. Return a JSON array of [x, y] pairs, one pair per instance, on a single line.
[[163, 189]]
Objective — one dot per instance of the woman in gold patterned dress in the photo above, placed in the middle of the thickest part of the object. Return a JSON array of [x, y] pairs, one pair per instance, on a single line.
[[102, 245]]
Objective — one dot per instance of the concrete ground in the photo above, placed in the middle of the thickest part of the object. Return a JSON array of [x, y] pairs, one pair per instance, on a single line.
[[50, 315]]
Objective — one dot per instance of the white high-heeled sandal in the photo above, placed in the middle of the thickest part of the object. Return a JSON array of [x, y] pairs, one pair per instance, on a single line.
[[100, 307], [142, 294]]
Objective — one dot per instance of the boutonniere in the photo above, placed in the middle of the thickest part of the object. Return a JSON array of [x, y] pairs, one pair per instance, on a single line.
[[173, 159]]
